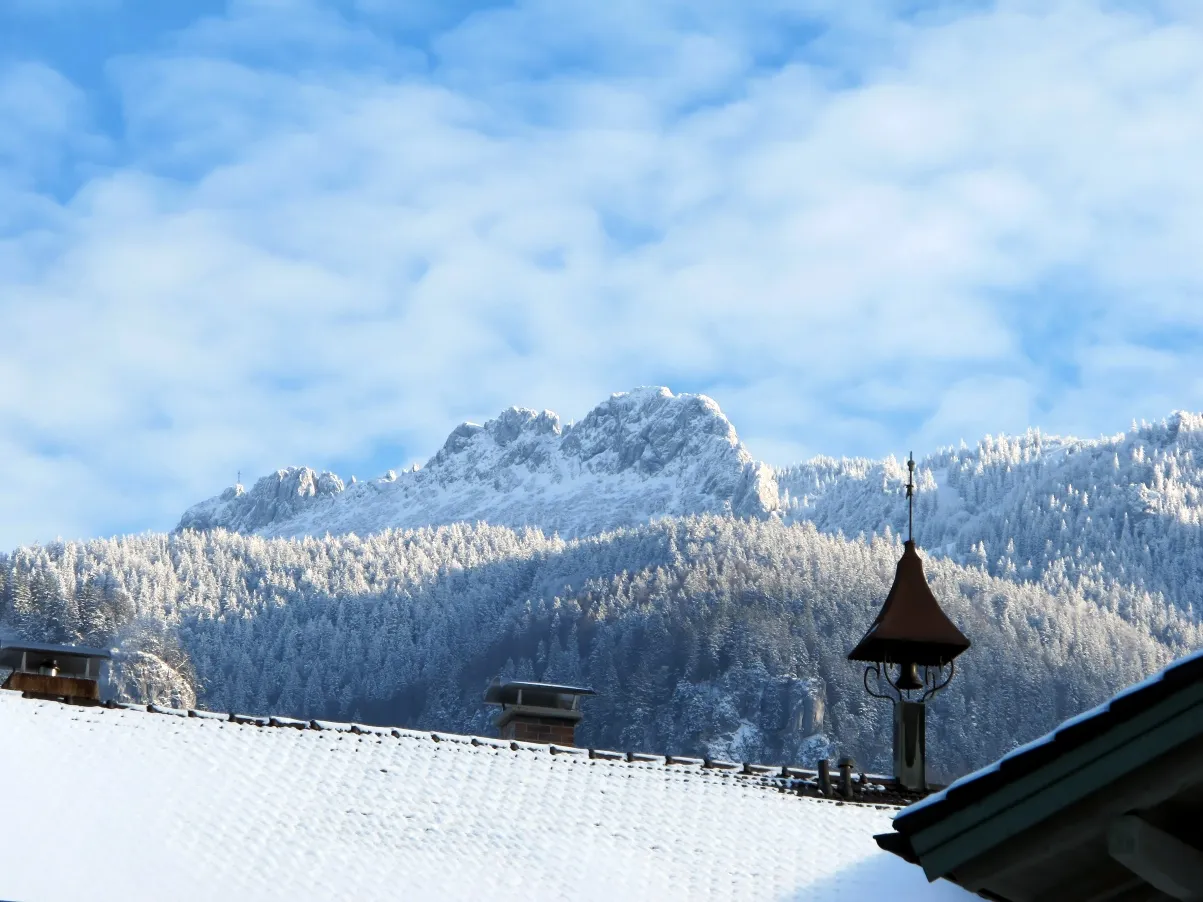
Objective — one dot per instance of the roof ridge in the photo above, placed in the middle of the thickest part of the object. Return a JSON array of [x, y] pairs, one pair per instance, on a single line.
[[782, 777]]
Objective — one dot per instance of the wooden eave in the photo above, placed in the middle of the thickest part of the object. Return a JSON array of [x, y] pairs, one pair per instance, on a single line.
[[1035, 826]]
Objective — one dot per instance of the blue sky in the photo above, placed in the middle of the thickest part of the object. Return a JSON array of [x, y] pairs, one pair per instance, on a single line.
[[241, 235]]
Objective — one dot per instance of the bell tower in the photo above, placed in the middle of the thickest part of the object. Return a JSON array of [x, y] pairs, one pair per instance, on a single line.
[[909, 651]]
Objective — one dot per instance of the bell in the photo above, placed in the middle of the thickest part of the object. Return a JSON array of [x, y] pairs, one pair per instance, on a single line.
[[908, 678]]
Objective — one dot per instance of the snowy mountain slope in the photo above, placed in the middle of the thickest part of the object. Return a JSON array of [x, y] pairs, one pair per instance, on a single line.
[[1075, 565], [635, 457], [1123, 509]]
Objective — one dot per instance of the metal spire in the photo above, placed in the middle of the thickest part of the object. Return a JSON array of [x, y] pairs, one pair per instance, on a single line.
[[910, 498]]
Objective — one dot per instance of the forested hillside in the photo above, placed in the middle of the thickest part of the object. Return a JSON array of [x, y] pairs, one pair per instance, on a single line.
[[1124, 510], [708, 635]]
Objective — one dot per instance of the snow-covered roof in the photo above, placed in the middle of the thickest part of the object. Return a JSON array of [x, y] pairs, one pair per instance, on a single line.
[[155, 806]]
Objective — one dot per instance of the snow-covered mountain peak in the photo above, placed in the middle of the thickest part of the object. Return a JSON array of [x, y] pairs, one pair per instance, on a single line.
[[516, 428], [644, 430], [274, 497], [636, 456], [651, 428]]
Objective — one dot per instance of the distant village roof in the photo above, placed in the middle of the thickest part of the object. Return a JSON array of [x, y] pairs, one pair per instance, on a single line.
[[158, 804], [1106, 805]]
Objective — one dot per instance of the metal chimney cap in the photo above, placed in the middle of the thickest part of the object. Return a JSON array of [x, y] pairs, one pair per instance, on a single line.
[[12, 652], [506, 692], [71, 651]]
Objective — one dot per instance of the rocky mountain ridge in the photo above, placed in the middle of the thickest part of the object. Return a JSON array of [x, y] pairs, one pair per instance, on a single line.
[[637, 456]]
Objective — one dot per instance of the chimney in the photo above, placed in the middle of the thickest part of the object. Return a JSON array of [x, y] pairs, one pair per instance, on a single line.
[[537, 712], [67, 672]]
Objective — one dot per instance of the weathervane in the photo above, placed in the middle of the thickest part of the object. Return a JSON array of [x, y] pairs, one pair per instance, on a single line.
[[910, 498], [911, 631]]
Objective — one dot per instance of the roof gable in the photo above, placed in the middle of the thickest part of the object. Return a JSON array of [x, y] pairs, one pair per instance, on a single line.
[[1040, 821]]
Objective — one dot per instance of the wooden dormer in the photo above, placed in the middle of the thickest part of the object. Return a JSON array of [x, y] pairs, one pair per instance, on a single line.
[[68, 672]]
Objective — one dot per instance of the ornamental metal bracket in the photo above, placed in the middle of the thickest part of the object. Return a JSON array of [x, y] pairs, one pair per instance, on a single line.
[[876, 670], [936, 687]]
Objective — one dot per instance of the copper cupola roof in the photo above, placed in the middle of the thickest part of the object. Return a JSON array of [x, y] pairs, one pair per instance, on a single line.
[[911, 627]]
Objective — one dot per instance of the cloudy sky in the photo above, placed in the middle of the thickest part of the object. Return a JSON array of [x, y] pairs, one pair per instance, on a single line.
[[240, 235]]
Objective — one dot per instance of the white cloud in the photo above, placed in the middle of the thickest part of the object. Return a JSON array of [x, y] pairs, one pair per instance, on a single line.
[[42, 116], [303, 264], [58, 7], [976, 406]]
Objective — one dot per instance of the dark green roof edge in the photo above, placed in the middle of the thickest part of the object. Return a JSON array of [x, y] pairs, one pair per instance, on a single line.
[[968, 832]]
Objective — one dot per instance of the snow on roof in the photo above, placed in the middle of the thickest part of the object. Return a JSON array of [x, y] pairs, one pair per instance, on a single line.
[[203, 807]]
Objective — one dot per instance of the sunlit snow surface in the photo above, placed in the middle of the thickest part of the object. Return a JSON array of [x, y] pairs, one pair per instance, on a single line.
[[124, 804]]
